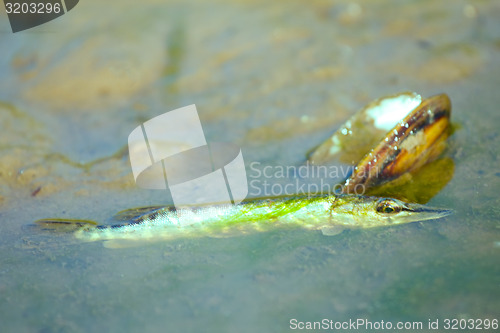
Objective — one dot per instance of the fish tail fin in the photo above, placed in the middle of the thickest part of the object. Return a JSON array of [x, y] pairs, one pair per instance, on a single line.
[[64, 225]]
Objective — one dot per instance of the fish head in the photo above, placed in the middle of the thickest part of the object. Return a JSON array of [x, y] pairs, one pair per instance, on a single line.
[[367, 212]]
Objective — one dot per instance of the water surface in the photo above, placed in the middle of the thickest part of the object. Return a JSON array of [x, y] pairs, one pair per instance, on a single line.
[[275, 79]]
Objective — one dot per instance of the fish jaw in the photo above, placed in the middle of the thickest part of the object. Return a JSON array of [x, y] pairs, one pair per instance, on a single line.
[[368, 212], [417, 212]]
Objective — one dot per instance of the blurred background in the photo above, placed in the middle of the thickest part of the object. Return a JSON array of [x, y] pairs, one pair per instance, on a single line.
[[277, 79]]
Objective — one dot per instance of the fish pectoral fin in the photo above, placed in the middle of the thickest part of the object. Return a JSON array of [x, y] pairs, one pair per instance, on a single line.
[[332, 230]]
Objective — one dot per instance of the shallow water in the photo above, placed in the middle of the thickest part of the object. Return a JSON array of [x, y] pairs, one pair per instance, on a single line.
[[276, 79]]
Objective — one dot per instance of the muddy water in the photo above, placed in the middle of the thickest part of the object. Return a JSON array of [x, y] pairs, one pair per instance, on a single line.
[[276, 79]]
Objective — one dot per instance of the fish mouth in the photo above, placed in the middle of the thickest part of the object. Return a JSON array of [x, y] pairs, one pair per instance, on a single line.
[[427, 213]]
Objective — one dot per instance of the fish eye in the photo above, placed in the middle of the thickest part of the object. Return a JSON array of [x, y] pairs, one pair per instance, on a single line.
[[388, 206]]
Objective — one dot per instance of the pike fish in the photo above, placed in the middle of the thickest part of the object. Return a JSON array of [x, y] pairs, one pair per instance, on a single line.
[[329, 213]]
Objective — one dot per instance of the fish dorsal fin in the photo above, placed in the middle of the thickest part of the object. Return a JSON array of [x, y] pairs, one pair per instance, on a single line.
[[132, 214]]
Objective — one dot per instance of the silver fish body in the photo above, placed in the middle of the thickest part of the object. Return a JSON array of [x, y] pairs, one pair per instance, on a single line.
[[329, 213]]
